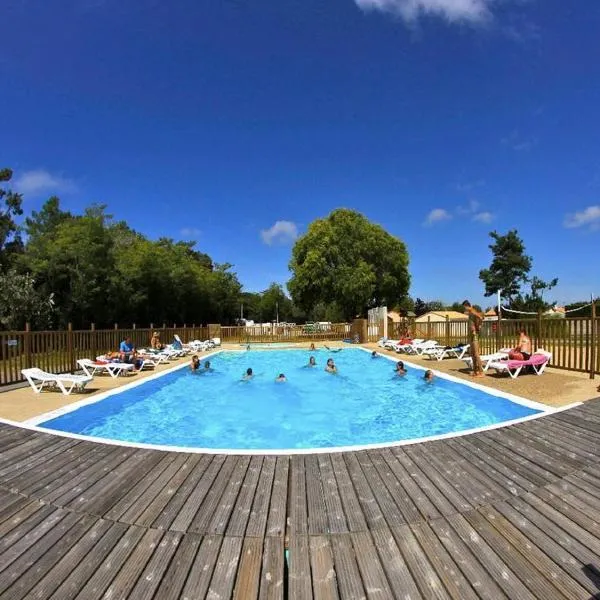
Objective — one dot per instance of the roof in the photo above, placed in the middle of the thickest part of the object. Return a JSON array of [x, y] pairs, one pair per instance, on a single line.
[[394, 316], [453, 315]]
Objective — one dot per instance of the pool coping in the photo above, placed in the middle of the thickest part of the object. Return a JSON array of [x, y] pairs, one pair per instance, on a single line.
[[33, 423]]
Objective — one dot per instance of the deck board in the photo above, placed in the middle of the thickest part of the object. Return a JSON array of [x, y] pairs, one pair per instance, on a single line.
[[512, 512]]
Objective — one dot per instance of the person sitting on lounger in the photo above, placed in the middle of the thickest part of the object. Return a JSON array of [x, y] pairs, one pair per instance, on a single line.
[[155, 342], [523, 349], [248, 375], [195, 364], [330, 367], [400, 369], [428, 377], [127, 350]]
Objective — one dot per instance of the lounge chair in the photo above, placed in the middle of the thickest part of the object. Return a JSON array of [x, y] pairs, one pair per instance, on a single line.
[[486, 359], [38, 378], [398, 347], [538, 362], [114, 369], [440, 353], [419, 349]]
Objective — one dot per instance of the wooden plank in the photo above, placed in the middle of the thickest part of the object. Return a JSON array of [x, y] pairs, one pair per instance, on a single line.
[[55, 574], [425, 507], [257, 520], [318, 522], [439, 500], [371, 569], [272, 580], [202, 521], [186, 502], [421, 570], [538, 585], [248, 575], [224, 574], [202, 568], [518, 542], [299, 582], [17, 562], [83, 566], [172, 486], [368, 504], [27, 526], [276, 521], [150, 578], [355, 519], [11, 504], [550, 545], [298, 500], [442, 562], [402, 499], [243, 504], [222, 512], [122, 584], [350, 585], [173, 579], [336, 520], [133, 504], [476, 574], [324, 581]]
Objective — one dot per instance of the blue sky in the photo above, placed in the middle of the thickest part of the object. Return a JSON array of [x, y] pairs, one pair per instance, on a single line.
[[238, 123]]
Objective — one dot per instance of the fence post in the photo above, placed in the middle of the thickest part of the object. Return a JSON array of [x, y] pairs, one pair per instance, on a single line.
[[27, 345], [540, 341], [447, 330], [94, 344], [429, 327], [70, 346], [498, 332], [593, 342]]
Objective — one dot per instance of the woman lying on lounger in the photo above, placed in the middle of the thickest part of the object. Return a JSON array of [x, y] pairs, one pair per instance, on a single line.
[[523, 349]]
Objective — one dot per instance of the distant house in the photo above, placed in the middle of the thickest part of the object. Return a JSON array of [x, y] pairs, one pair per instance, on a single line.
[[556, 312], [490, 315], [441, 315]]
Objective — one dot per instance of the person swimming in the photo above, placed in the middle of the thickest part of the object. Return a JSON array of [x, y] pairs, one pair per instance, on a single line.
[[248, 375], [333, 349], [374, 354], [312, 347], [281, 378], [428, 376], [207, 367], [195, 364], [400, 369], [311, 362], [330, 367]]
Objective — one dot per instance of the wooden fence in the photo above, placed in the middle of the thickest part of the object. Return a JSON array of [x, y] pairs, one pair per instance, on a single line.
[[285, 333], [574, 342], [58, 351]]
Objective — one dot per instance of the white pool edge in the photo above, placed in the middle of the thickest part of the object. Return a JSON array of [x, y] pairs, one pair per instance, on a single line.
[[33, 423]]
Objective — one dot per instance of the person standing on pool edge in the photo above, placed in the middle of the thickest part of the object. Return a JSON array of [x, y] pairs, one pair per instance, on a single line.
[[475, 322]]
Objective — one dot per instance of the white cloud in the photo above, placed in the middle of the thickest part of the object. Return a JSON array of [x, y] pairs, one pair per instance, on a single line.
[[483, 217], [454, 11], [40, 181], [281, 232], [588, 216], [469, 209], [519, 142], [437, 215], [189, 232]]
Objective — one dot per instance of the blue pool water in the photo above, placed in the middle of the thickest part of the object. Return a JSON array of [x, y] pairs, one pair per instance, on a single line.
[[364, 404]]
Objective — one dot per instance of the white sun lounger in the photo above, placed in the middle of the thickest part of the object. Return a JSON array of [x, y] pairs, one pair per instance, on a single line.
[[65, 383], [114, 369], [486, 359], [440, 353], [398, 347], [421, 348]]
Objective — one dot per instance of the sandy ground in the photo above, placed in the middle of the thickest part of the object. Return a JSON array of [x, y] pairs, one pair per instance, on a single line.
[[554, 387]]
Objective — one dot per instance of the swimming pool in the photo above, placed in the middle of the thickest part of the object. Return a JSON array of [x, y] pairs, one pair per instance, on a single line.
[[364, 404]]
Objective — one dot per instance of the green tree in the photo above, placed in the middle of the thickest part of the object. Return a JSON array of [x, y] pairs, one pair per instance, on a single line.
[[510, 266], [10, 207], [21, 302], [46, 220], [421, 307], [274, 303], [347, 260], [509, 272]]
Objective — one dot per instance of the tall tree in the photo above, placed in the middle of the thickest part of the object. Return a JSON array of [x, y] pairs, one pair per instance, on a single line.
[[510, 265], [347, 260], [10, 207]]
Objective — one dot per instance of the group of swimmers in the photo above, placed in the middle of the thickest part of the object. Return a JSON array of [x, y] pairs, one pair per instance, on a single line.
[[195, 365]]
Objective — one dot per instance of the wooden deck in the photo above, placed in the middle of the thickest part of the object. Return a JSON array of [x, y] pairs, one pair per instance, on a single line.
[[510, 513]]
